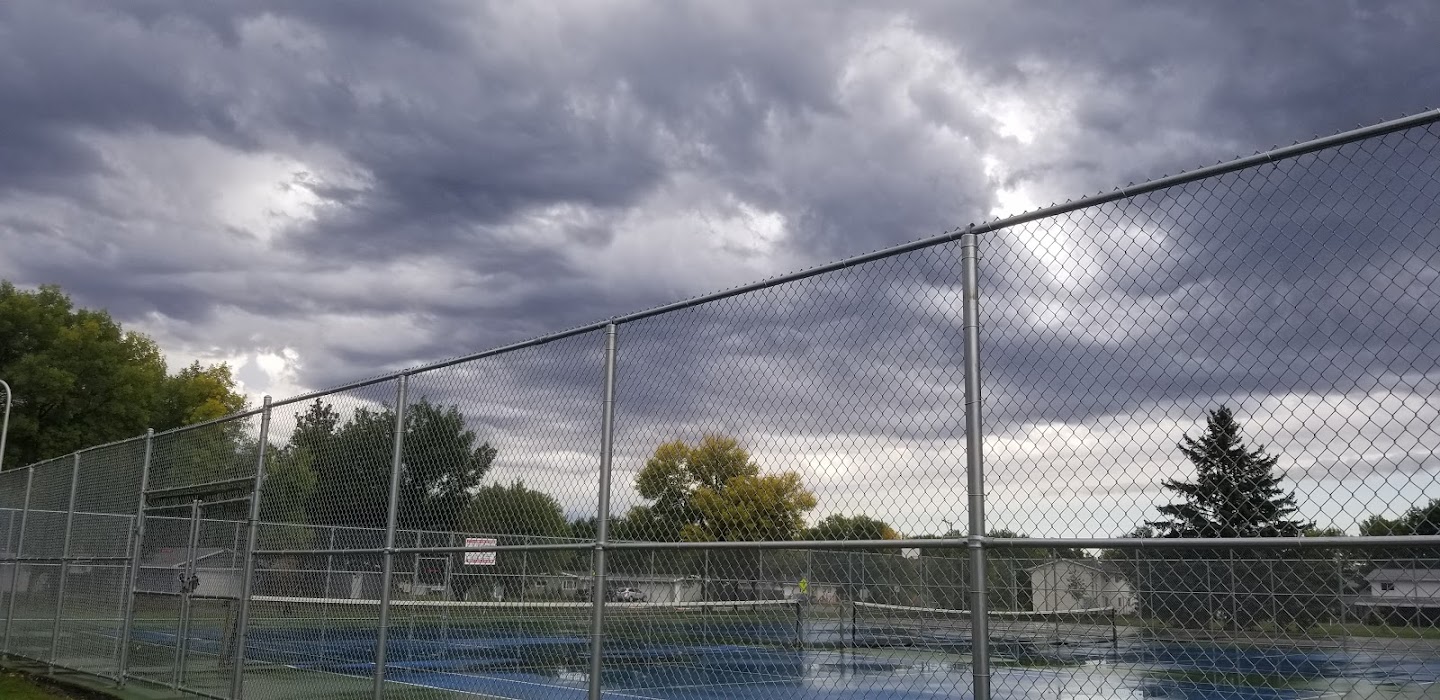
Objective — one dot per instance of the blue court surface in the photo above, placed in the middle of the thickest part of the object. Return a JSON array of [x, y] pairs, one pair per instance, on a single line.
[[530, 667]]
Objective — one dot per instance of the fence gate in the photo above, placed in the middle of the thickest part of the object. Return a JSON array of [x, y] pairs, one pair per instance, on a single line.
[[189, 585]]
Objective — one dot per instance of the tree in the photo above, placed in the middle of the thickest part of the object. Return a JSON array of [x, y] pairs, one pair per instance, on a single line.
[[513, 514], [858, 527], [441, 465], [1236, 492], [714, 492], [289, 485], [80, 379], [1417, 520], [1007, 572], [196, 394]]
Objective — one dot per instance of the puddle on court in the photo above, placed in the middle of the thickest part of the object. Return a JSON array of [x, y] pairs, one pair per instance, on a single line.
[[555, 667], [1137, 673]]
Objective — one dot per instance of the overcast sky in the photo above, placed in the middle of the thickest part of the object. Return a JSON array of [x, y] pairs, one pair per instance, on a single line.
[[318, 192]]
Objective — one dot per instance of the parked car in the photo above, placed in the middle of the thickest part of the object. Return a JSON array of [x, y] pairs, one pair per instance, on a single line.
[[629, 595]]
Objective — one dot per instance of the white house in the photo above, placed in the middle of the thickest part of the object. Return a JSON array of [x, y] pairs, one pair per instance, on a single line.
[[1405, 585], [1399, 595], [1079, 584], [656, 589], [217, 569]]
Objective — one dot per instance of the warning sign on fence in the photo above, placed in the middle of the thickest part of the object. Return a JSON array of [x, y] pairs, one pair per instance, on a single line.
[[480, 558]]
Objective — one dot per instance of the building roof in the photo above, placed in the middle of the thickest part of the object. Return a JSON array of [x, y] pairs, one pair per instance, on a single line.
[[179, 557], [635, 578], [1105, 568], [1388, 575]]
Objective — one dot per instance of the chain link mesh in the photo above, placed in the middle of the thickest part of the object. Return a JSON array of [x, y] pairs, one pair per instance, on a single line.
[[1183, 388]]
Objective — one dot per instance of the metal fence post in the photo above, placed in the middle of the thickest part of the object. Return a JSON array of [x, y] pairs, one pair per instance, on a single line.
[[247, 574], [414, 587], [182, 637], [602, 527], [387, 570], [137, 542], [64, 565], [19, 549], [974, 467]]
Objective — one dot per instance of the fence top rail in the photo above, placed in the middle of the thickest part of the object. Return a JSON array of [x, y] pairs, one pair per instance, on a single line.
[[1340, 542], [1130, 190]]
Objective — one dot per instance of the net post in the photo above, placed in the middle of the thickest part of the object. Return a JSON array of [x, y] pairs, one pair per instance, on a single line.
[[387, 570], [64, 565], [602, 528], [247, 574], [137, 543], [975, 464], [800, 623], [449, 588], [19, 549], [414, 586]]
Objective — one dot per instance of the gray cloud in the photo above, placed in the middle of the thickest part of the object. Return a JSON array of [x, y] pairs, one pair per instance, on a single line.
[[373, 185]]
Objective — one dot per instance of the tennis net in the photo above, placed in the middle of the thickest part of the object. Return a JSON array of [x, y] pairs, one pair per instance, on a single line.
[[471, 636], [884, 625]]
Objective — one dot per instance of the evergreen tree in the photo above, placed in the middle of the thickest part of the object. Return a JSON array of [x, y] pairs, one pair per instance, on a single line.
[[1236, 492]]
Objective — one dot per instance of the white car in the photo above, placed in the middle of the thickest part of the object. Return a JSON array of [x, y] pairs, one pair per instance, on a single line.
[[629, 595]]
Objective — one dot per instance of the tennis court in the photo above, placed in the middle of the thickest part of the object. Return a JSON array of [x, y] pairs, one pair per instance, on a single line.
[[768, 649]]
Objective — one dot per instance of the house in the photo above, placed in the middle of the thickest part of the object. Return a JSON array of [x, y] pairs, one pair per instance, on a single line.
[[657, 588], [218, 571], [1080, 584], [1397, 595]]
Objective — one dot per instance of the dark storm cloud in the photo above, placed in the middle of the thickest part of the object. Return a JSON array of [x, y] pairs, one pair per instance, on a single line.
[[480, 173]]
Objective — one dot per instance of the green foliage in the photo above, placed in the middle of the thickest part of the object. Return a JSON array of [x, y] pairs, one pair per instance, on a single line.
[[442, 464], [289, 485], [750, 508], [80, 379], [514, 514], [196, 394], [1236, 492], [1418, 520], [713, 491], [857, 527], [515, 510], [946, 572]]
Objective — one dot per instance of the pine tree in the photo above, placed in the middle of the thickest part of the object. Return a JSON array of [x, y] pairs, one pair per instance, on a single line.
[[1236, 493]]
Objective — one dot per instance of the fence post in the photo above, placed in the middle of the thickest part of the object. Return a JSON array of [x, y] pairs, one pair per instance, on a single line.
[[247, 580], [524, 567], [602, 527], [64, 565], [137, 543], [19, 549], [182, 638], [974, 467], [387, 570], [449, 590], [414, 586]]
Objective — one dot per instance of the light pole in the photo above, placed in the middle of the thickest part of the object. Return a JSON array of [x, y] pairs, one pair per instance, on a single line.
[[5, 426]]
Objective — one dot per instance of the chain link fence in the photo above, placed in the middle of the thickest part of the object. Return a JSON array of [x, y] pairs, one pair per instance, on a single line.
[[1206, 466]]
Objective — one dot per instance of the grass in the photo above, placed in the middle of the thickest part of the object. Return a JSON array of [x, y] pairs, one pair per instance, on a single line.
[[1358, 629], [14, 686]]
